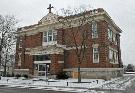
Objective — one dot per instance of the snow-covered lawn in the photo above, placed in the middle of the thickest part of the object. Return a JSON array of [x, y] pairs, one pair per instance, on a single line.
[[70, 85], [87, 83]]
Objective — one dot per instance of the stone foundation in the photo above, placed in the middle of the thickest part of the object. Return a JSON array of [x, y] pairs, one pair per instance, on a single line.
[[96, 73], [21, 71]]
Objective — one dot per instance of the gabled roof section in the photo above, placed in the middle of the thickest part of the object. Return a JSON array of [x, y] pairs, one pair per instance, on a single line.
[[49, 19]]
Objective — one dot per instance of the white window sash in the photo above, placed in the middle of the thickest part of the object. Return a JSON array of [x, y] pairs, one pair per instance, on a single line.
[[50, 37], [95, 53]]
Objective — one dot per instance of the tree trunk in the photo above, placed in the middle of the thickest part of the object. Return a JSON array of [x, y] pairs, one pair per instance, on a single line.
[[79, 74], [5, 71], [5, 65]]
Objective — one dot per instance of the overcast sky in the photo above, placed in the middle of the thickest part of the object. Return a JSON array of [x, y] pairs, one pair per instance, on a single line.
[[122, 12]]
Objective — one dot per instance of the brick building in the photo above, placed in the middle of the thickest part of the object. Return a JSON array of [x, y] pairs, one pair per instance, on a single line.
[[42, 49]]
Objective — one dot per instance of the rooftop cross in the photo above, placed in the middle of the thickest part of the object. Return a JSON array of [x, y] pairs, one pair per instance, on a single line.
[[50, 7]]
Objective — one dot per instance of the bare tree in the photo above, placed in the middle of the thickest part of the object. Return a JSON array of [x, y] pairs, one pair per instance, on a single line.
[[75, 26], [8, 39]]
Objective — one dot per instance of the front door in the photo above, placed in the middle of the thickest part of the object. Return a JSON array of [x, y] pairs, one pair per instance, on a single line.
[[43, 69]]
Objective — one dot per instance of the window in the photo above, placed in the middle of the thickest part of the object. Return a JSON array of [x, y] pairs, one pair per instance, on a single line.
[[94, 30], [55, 36], [110, 34], [113, 56], [110, 55], [116, 57], [42, 67], [95, 55], [45, 37], [49, 36], [41, 57], [20, 42], [115, 38]]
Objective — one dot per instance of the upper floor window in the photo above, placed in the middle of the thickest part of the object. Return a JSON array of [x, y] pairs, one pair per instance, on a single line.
[[95, 55], [20, 42], [115, 38], [49, 36], [94, 30], [110, 34]]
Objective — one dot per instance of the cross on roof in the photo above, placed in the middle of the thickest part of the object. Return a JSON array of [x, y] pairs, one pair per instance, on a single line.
[[50, 8]]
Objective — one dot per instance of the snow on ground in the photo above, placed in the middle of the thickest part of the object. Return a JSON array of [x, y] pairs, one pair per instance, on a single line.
[[118, 83], [87, 83], [130, 72], [70, 85], [51, 84]]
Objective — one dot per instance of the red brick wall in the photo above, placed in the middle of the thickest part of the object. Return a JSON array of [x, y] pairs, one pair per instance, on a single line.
[[33, 40], [56, 67], [70, 56], [28, 42], [102, 40]]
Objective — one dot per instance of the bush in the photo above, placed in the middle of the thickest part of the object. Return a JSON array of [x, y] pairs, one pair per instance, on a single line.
[[17, 76], [25, 76], [9, 75], [13, 75], [62, 75]]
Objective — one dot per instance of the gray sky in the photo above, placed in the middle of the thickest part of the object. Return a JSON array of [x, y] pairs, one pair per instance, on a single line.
[[121, 11]]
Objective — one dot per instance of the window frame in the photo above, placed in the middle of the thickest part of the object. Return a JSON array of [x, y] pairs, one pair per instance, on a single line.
[[95, 53], [110, 34], [94, 29], [113, 56], [50, 35]]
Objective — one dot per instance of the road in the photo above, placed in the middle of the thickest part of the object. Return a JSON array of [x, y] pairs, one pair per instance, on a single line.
[[130, 89], [27, 90]]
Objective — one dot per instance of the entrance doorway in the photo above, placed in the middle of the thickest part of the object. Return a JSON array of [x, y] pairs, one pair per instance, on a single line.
[[42, 64], [43, 69]]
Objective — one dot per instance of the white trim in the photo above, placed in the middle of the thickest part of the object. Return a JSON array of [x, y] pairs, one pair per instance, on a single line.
[[21, 69], [95, 45], [60, 61], [49, 43], [41, 62], [97, 52]]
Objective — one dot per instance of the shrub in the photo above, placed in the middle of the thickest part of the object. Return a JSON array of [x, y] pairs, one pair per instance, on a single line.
[[17, 76], [13, 75], [25, 76], [9, 75], [62, 75]]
